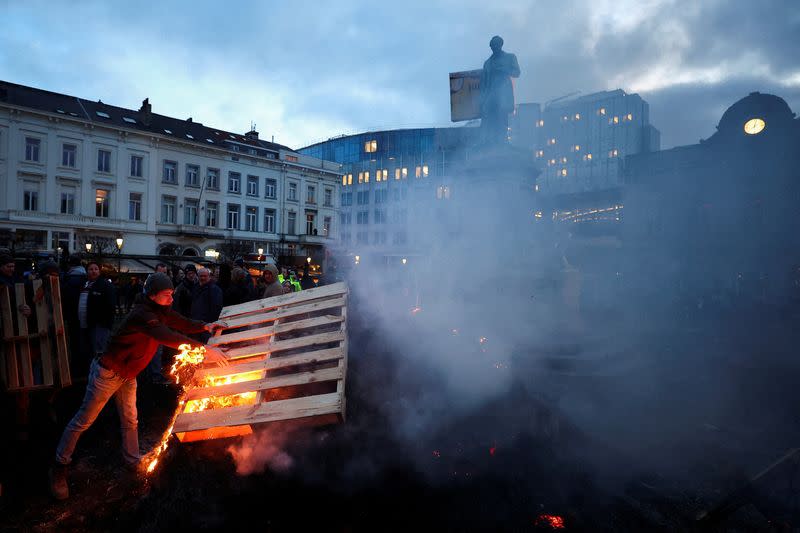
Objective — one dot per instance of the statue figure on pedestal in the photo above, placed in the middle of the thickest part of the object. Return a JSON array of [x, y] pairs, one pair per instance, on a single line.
[[497, 92]]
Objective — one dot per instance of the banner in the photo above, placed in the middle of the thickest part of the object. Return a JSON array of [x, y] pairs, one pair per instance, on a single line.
[[465, 90]]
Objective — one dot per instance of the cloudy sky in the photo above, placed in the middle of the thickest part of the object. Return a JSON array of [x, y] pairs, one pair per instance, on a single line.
[[304, 71]]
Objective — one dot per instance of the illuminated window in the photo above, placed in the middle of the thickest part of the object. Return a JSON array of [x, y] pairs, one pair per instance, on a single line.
[[400, 173], [361, 177], [563, 172], [536, 187], [366, 176], [551, 142], [629, 116], [344, 179], [564, 118], [577, 116], [613, 153], [587, 157], [421, 172], [539, 153], [443, 192], [551, 162], [601, 111], [349, 179], [540, 123], [292, 158], [564, 159], [576, 148], [371, 146], [382, 175], [613, 120]]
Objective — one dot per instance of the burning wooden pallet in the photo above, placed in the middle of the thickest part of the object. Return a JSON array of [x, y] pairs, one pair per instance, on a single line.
[[288, 361], [31, 360]]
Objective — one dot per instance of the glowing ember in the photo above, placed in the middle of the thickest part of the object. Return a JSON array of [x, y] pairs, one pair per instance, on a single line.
[[552, 520], [214, 402]]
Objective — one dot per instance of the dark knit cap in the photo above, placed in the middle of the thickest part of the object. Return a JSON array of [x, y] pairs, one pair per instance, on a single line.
[[156, 283], [190, 268]]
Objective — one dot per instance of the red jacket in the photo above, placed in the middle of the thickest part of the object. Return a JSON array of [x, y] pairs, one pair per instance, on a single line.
[[136, 340]]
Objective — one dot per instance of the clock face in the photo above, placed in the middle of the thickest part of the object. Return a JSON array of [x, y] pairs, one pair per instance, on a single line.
[[754, 126]]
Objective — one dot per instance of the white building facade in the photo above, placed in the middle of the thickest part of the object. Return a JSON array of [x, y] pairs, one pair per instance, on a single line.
[[74, 172]]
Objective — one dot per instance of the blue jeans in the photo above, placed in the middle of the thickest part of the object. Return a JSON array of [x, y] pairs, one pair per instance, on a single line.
[[103, 384]]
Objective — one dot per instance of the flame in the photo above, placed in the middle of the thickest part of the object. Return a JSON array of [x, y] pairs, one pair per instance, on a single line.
[[214, 402], [552, 520], [188, 359]]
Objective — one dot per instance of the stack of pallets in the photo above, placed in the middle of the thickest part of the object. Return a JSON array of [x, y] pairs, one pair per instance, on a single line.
[[288, 361], [32, 360]]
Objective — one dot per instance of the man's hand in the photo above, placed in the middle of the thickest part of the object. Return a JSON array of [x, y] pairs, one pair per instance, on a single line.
[[215, 355], [25, 310], [212, 327]]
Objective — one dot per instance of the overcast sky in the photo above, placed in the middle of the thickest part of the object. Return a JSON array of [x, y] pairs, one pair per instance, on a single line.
[[306, 71]]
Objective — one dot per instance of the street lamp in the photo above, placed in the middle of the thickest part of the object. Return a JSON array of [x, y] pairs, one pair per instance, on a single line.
[[260, 253], [120, 241], [404, 260], [88, 247], [308, 260]]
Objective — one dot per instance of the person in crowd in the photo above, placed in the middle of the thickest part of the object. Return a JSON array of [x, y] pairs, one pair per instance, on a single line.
[[95, 313], [272, 287], [207, 302], [239, 263], [293, 280], [151, 323], [306, 282], [238, 291], [74, 280], [7, 269], [134, 289], [161, 267], [185, 291], [155, 368]]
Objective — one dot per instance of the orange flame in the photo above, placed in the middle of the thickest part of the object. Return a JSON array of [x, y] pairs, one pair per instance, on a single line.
[[552, 520]]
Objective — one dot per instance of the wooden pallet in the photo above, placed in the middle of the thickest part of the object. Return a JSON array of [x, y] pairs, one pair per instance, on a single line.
[[294, 350], [31, 360]]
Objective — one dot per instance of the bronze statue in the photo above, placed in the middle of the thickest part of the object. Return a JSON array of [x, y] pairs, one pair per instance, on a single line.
[[497, 92]]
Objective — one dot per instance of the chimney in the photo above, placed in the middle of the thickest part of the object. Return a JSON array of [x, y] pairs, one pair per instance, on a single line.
[[145, 112], [252, 134]]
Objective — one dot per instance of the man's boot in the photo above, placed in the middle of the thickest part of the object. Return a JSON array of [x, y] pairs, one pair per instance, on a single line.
[[58, 481]]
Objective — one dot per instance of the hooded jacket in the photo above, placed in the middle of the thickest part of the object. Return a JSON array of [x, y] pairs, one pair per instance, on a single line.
[[148, 325]]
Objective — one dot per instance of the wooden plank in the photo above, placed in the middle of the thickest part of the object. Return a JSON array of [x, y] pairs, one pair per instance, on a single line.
[[284, 312], [320, 404], [271, 363], [340, 387], [43, 323], [221, 432], [62, 362], [289, 344], [259, 333], [304, 378], [274, 302], [10, 349], [25, 366]]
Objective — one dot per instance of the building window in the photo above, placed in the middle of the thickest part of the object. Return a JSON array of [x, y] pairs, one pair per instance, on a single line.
[[101, 202], [211, 214], [68, 202], [326, 226], [362, 197], [270, 188], [291, 221], [443, 192], [551, 141], [400, 173], [234, 182], [347, 199], [613, 120], [362, 237], [371, 146], [564, 159], [349, 179], [381, 174], [563, 172], [601, 111], [68, 153], [380, 216], [32, 148], [103, 161], [576, 148], [381, 196], [190, 211], [310, 224], [269, 221], [192, 175], [169, 172], [345, 218], [233, 216], [421, 171], [136, 166], [251, 218], [252, 185], [291, 193], [291, 158], [540, 123], [587, 157], [577, 116], [379, 237], [344, 180], [362, 217], [212, 179], [328, 198], [30, 197], [168, 206], [539, 153], [135, 206], [311, 194]]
